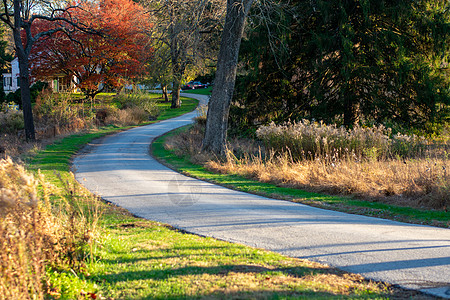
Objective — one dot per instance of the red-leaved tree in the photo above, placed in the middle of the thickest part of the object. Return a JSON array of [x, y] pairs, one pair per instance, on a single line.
[[118, 53]]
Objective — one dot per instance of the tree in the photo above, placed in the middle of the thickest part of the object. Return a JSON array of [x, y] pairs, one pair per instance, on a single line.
[[119, 52], [158, 69], [351, 61], [19, 16], [188, 30], [222, 93]]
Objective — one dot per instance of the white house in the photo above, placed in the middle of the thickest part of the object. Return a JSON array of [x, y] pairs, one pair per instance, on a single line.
[[11, 81], [58, 83]]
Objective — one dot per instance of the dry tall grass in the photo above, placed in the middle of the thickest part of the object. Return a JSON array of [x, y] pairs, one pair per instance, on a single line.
[[11, 121], [55, 115], [37, 232], [138, 99], [417, 180], [127, 117], [307, 140], [43, 227], [413, 183]]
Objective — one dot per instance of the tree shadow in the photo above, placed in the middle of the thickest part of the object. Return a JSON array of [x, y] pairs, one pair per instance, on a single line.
[[221, 270]]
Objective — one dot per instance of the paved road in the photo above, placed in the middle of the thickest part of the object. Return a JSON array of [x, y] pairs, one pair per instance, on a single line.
[[120, 170]]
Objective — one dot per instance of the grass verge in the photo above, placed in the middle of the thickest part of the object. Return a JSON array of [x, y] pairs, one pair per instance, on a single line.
[[345, 204], [138, 259], [206, 91]]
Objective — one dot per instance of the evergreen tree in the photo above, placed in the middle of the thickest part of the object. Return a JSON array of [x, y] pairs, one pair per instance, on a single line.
[[361, 60]]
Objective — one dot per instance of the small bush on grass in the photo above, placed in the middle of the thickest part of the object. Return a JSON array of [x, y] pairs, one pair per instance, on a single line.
[[138, 100], [38, 233], [104, 113], [127, 117], [11, 121], [14, 97], [189, 143], [202, 112], [55, 115]]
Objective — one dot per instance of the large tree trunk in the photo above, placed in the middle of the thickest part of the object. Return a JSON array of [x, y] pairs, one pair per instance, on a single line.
[[176, 101], [26, 97], [350, 116], [219, 105], [22, 55], [175, 55]]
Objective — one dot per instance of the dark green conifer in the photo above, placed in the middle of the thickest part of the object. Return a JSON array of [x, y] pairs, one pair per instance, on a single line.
[[362, 60]]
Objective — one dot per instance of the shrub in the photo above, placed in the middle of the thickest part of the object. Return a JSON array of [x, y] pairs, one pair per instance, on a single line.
[[36, 89], [202, 112], [54, 114], [408, 145], [417, 182], [189, 143], [127, 117], [11, 121], [104, 113], [22, 242], [139, 100], [14, 97]]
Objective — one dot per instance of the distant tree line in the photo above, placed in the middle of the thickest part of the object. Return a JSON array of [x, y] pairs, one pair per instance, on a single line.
[[360, 61]]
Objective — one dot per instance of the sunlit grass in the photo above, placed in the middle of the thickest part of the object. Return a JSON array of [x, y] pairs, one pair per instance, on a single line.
[[147, 260], [207, 91]]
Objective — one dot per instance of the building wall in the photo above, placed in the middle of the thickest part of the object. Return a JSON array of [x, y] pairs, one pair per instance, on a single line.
[[11, 80], [57, 83]]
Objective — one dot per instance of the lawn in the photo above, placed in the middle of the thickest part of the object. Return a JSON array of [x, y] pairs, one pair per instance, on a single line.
[[206, 91]]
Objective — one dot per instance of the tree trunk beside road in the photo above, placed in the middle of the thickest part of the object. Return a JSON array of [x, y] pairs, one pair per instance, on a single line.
[[219, 105]]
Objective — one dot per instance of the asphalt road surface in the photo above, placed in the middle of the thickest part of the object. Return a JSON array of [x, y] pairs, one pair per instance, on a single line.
[[120, 170]]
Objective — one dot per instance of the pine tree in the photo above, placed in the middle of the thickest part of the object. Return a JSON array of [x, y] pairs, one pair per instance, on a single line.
[[366, 60]]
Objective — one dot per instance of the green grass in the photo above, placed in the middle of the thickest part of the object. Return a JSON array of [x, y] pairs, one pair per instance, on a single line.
[[187, 104], [147, 260], [206, 91], [138, 259], [345, 204]]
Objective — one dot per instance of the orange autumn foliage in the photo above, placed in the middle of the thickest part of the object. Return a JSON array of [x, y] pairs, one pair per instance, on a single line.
[[117, 52]]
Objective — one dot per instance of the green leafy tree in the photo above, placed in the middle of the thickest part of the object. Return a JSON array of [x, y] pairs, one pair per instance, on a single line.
[[159, 69], [5, 57], [187, 31]]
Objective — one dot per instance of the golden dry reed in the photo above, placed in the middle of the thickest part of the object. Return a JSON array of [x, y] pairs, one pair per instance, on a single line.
[[38, 232]]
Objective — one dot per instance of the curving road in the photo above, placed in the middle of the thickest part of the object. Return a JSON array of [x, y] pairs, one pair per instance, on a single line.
[[120, 170]]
